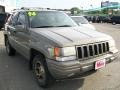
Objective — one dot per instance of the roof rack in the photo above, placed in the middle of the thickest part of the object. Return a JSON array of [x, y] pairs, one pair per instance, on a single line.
[[33, 8]]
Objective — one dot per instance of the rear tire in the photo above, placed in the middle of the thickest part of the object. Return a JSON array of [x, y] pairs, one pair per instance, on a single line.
[[41, 71], [9, 49]]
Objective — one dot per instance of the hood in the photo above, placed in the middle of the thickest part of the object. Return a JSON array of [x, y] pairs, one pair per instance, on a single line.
[[88, 26], [68, 36]]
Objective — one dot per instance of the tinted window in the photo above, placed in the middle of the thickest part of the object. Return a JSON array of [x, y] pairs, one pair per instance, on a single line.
[[21, 19], [51, 18]]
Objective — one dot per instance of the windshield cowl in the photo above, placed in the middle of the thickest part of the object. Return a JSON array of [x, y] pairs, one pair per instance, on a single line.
[[52, 26]]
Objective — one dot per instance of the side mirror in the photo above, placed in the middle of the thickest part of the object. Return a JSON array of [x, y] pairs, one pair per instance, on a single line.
[[20, 28]]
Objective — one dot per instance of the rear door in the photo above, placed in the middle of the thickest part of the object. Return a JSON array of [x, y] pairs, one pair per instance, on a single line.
[[10, 29]]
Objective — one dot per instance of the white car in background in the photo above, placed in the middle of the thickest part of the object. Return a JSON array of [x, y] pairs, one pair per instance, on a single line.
[[82, 21]]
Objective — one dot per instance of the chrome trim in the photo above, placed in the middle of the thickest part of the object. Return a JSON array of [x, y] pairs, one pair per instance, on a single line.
[[88, 50], [102, 47], [82, 52]]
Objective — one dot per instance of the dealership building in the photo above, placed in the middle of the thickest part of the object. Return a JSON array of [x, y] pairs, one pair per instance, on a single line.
[[113, 5]]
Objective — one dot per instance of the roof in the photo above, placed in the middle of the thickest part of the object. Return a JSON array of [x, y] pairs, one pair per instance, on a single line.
[[33, 9]]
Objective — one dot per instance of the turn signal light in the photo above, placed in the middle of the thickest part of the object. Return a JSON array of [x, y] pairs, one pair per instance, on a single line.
[[56, 52]]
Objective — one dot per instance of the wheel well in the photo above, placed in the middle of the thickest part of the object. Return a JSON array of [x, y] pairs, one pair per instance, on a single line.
[[33, 53]]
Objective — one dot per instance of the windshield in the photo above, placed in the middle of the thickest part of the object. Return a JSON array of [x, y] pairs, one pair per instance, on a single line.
[[51, 19], [79, 20]]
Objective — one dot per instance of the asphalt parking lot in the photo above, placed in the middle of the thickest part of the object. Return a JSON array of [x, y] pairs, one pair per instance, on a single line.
[[15, 75]]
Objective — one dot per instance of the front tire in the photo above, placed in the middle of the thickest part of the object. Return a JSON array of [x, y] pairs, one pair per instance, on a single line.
[[9, 49], [41, 72]]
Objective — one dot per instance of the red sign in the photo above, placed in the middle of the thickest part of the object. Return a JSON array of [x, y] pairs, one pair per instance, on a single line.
[[99, 64]]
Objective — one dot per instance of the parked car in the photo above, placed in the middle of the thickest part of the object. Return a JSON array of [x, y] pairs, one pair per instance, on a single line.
[[55, 45], [83, 22], [108, 19], [94, 19], [2, 19], [101, 19], [115, 20]]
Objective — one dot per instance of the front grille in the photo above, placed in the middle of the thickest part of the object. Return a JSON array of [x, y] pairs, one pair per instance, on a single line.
[[85, 51], [92, 50]]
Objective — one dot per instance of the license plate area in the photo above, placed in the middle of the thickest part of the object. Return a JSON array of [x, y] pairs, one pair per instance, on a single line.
[[100, 64]]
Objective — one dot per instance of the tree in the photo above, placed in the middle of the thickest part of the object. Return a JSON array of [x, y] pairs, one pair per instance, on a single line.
[[104, 11], [75, 10]]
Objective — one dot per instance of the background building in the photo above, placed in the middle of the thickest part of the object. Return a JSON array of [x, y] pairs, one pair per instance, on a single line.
[[112, 5]]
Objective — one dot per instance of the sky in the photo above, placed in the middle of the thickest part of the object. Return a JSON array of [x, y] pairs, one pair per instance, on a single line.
[[57, 4]]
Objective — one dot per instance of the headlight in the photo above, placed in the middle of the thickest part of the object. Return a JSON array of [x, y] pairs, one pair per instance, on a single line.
[[68, 51], [112, 45], [62, 54]]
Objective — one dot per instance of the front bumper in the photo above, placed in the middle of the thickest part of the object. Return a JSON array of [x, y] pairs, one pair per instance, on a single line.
[[66, 69]]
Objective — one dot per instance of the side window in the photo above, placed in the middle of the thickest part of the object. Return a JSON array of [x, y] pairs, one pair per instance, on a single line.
[[13, 18], [21, 19]]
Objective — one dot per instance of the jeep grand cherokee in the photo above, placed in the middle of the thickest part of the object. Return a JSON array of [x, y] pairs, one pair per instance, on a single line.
[[55, 46]]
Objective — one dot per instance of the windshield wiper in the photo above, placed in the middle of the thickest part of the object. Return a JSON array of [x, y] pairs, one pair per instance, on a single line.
[[65, 26], [43, 26]]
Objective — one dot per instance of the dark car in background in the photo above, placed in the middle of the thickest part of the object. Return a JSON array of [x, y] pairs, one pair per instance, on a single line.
[[115, 20], [3, 16], [101, 19], [2, 19]]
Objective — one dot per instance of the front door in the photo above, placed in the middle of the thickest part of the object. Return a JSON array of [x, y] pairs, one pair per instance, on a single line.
[[22, 37]]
